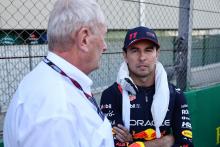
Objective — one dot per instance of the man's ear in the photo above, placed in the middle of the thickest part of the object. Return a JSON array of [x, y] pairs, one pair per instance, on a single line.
[[83, 39]]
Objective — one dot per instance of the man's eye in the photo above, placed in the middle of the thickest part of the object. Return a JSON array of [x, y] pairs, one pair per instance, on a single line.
[[148, 50], [133, 50]]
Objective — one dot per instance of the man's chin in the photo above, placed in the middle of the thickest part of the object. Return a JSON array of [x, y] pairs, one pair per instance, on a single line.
[[96, 67], [143, 74]]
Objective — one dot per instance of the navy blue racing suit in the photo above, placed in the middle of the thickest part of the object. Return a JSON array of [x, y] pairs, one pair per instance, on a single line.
[[176, 122]]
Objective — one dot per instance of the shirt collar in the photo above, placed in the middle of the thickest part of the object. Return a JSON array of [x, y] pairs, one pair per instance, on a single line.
[[71, 71]]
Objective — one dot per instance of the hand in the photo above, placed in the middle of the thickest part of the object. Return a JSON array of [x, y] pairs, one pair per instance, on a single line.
[[165, 141], [168, 140], [122, 133]]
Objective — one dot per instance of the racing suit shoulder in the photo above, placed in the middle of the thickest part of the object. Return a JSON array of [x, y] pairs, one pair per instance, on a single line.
[[111, 102], [111, 95]]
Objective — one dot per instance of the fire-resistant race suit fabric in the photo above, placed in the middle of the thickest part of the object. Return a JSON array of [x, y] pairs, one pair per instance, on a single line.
[[177, 120], [49, 111]]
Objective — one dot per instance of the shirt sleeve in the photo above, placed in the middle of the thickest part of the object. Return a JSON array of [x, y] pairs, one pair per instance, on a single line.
[[181, 124]]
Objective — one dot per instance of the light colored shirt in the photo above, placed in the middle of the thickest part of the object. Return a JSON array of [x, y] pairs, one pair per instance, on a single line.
[[47, 110]]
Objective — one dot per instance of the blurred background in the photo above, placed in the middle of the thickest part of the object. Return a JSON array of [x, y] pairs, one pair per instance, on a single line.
[[188, 32]]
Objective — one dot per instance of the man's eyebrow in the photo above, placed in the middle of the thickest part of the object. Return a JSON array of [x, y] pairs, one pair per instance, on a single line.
[[134, 47], [150, 47]]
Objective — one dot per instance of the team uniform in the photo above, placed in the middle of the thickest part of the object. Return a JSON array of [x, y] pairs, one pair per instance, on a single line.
[[177, 120]]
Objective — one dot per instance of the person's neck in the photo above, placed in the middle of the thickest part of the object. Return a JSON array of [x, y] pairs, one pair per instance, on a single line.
[[143, 81], [74, 60]]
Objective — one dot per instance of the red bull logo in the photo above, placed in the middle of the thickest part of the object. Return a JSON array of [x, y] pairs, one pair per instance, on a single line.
[[148, 134]]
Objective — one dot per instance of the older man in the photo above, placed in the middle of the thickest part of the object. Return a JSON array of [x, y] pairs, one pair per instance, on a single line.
[[53, 105]]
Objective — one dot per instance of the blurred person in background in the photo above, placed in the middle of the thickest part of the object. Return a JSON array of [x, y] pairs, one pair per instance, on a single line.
[[53, 105], [143, 107]]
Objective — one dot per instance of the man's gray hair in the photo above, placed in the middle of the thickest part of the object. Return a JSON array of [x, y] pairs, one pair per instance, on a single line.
[[67, 17]]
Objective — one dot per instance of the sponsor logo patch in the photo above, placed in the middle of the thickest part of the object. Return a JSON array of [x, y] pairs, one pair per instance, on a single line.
[[186, 125], [136, 106], [184, 106], [186, 112], [185, 118], [187, 133], [110, 113], [148, 134], [106, 106], [147, 123]]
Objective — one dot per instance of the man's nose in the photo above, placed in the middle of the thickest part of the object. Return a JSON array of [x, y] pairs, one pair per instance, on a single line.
[[142, 56], [104, 47]]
